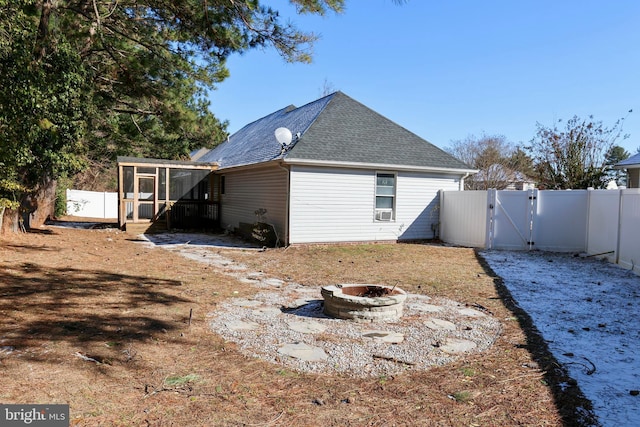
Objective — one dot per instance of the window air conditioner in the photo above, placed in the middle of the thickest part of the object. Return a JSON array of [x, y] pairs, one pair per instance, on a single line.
[[384, 215]]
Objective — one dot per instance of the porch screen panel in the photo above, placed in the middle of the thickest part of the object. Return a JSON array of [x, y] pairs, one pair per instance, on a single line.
[[145, 191], [127, 182], [162, 183], [188, 184]]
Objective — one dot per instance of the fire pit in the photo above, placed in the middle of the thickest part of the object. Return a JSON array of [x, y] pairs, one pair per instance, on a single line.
[[363, 303]]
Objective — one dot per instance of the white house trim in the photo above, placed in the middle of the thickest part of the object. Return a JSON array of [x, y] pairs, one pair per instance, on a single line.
[[380, 166]]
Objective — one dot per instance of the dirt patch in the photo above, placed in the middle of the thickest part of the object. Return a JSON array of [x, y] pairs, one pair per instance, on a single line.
[[119, 330]]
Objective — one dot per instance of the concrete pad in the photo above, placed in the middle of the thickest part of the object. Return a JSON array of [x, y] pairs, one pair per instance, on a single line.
[[304, 352]]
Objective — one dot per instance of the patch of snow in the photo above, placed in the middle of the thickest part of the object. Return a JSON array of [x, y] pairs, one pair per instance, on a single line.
[[586, 310]]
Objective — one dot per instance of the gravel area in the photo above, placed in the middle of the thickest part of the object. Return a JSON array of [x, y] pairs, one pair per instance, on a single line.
[[284, 324], [432, 332]]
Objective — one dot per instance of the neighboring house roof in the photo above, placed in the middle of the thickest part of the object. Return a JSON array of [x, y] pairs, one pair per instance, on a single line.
[[335, 129], [500, 173], [631, 162]]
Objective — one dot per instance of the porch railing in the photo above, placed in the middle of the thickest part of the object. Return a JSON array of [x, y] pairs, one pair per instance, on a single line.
[[193, 215]]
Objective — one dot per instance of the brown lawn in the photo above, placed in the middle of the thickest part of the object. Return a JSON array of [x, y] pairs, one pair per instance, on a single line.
[[95, 319]]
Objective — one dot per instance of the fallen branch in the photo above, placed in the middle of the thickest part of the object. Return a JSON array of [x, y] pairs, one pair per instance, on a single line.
[[87, 358], [393, 359], [537, 374], [587, 370]]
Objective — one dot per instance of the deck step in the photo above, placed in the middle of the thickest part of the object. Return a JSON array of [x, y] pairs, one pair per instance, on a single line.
[[146, 227]]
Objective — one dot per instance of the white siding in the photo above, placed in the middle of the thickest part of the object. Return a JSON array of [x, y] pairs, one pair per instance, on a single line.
[[248, 190], [338, 205]]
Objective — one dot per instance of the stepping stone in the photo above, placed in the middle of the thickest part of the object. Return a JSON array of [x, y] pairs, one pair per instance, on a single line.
[[454, 345], [241, 302], [300, 302], [427, 308], [268, 310], [384, 336], [304, 352], [273, 282], [471, 312], [242, 325], [306, 327], [255, 276], [437, 324]]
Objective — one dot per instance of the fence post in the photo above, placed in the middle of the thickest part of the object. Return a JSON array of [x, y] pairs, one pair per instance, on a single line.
[[620, 204], [491, 205], [533, 213]]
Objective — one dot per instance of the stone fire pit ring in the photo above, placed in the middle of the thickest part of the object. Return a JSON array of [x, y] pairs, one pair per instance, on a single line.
[[363, 303]]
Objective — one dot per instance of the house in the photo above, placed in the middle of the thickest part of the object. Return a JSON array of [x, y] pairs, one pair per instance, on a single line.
[[500, 177], [340, 172], [632, 165]]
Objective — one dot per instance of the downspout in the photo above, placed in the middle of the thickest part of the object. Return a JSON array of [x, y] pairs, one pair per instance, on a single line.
[[461, 187], [286, 217]]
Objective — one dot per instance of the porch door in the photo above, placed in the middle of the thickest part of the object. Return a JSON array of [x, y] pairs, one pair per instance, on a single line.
[[145, 199]]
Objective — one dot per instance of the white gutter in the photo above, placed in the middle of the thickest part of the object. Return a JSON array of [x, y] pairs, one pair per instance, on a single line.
[[386, 166]]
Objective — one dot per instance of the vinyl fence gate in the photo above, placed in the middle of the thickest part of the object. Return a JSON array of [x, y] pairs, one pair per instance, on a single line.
[[515, 220], [603, 223]]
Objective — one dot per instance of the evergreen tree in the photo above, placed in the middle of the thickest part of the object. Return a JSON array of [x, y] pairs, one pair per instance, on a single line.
[[83, 81]]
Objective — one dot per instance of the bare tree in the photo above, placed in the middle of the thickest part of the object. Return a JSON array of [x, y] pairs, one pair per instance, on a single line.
[[499, 162], [327, 88], [574, 157]]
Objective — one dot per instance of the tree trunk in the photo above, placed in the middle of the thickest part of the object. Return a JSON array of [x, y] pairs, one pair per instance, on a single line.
[[39, 206], [43, 28], [34, 211], [10, 223]]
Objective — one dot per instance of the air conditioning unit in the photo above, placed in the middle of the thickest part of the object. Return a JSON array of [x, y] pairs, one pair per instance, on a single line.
[[384, 215]]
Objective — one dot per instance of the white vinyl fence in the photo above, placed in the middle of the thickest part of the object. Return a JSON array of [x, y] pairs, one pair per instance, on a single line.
[[602, 223], [92, 204]]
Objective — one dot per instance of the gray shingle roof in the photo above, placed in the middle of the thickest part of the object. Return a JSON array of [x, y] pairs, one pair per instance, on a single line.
[[256, 143], [348, 131], [335, 128]]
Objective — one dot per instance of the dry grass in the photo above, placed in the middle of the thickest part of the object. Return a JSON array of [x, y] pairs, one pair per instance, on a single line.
[[101, 322]]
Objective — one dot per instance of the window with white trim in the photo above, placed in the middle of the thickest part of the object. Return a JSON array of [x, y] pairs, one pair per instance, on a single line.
[[385, 196]]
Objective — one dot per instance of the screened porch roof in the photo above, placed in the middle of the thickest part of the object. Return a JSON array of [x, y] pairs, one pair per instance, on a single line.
[[174, 164]]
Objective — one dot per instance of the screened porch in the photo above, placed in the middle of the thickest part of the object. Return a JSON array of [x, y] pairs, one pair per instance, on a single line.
[[167, 194]]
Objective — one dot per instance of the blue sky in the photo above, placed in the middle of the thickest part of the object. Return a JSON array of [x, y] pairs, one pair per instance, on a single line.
[[446, 70]]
